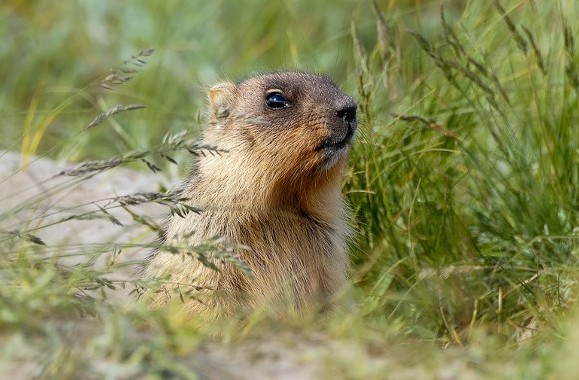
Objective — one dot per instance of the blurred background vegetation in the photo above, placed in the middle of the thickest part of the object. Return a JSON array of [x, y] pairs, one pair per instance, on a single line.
[[465, 175], [52, 59]]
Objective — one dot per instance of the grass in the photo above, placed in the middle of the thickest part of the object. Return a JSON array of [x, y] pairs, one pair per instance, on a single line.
[[475, 195], [464, 179]]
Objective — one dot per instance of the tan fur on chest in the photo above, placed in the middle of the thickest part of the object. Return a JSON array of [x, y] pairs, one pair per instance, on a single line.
[[294, 263]]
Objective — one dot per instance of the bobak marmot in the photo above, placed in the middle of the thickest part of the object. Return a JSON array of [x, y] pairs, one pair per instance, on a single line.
[[273, 193]]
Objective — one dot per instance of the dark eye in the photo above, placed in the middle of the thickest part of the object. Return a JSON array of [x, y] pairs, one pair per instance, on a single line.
[[275, 100]]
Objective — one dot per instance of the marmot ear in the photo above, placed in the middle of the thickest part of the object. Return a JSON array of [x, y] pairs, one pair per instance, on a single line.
[[222, 99]]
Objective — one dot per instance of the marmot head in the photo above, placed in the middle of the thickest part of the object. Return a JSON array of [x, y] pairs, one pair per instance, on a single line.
[[287, 128]]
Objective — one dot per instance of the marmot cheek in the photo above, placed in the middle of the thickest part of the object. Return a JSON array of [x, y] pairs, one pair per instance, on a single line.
[[249, 137]]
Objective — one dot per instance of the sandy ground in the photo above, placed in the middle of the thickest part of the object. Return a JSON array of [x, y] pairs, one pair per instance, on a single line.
[[46, 197], [34, 197]]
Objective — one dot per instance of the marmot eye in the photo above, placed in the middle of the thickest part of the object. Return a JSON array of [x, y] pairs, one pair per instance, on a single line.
[[276, 100]]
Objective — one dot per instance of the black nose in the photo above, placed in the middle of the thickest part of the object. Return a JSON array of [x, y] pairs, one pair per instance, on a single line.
[[347, 113]]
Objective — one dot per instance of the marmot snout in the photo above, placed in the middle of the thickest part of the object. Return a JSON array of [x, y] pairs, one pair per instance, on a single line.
[[275, 191]]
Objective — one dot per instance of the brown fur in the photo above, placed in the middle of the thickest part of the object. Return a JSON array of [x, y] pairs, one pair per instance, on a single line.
[[274, 194]]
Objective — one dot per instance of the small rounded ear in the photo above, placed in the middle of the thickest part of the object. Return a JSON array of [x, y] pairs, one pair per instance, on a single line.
[[221, 99]]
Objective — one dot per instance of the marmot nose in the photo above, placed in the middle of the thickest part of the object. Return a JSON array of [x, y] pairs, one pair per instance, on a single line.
[[347, 113]]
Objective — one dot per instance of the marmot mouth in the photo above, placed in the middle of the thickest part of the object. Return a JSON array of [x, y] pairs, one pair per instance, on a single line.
[[332, 144]]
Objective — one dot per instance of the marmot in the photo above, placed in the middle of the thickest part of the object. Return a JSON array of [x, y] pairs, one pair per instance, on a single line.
[[273, 193]]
